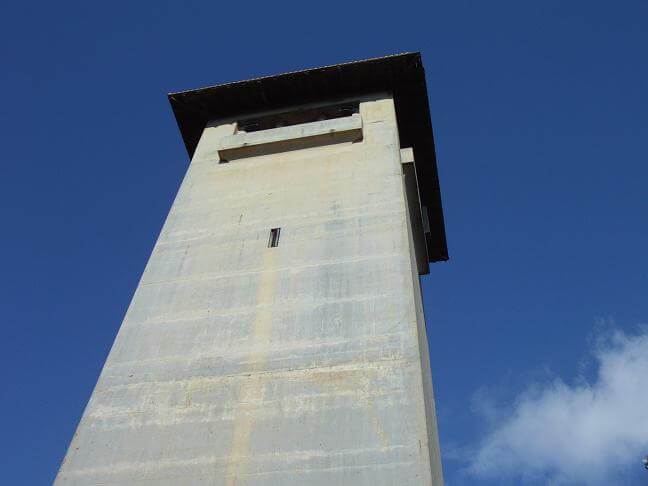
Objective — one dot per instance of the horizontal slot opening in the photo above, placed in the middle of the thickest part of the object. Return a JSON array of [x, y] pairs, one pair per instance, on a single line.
[[298, 117]]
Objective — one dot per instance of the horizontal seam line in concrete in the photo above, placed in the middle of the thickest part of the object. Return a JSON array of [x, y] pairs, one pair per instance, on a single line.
[[245, 349], [314, 454], [313, 217], [286, 268], [277, 307], [364, 365]]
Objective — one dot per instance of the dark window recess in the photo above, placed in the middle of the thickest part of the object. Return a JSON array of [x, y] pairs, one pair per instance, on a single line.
[[274, 237], [298, 117]]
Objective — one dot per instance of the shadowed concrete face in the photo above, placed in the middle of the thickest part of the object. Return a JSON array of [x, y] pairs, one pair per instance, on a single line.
[[242, 364]]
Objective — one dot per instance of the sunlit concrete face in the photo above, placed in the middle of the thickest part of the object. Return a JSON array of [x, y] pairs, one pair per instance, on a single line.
[[303, 364]]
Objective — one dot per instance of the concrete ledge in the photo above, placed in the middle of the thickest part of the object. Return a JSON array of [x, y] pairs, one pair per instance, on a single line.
[[407, 155], [294, 137]]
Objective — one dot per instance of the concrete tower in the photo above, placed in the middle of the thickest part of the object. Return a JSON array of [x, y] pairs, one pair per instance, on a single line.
[[277, 336]]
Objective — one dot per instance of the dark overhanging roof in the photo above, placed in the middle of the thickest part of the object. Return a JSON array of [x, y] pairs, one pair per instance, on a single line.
[[402, 75]]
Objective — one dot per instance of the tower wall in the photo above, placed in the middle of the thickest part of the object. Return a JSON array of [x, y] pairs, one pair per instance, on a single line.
[[304, 364]]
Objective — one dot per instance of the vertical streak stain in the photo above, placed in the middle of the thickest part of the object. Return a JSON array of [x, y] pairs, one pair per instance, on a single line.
[[252, 391]]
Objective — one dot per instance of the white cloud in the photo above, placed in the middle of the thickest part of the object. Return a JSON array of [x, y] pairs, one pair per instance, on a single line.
[[586, 433]]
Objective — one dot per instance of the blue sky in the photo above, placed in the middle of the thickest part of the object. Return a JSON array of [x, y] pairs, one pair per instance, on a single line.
[[539, 114]]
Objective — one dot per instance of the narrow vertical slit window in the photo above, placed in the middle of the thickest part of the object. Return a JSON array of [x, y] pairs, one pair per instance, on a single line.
[[274, 237]]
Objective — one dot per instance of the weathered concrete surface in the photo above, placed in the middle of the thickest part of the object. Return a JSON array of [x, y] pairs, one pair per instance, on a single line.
[[305, 364]]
